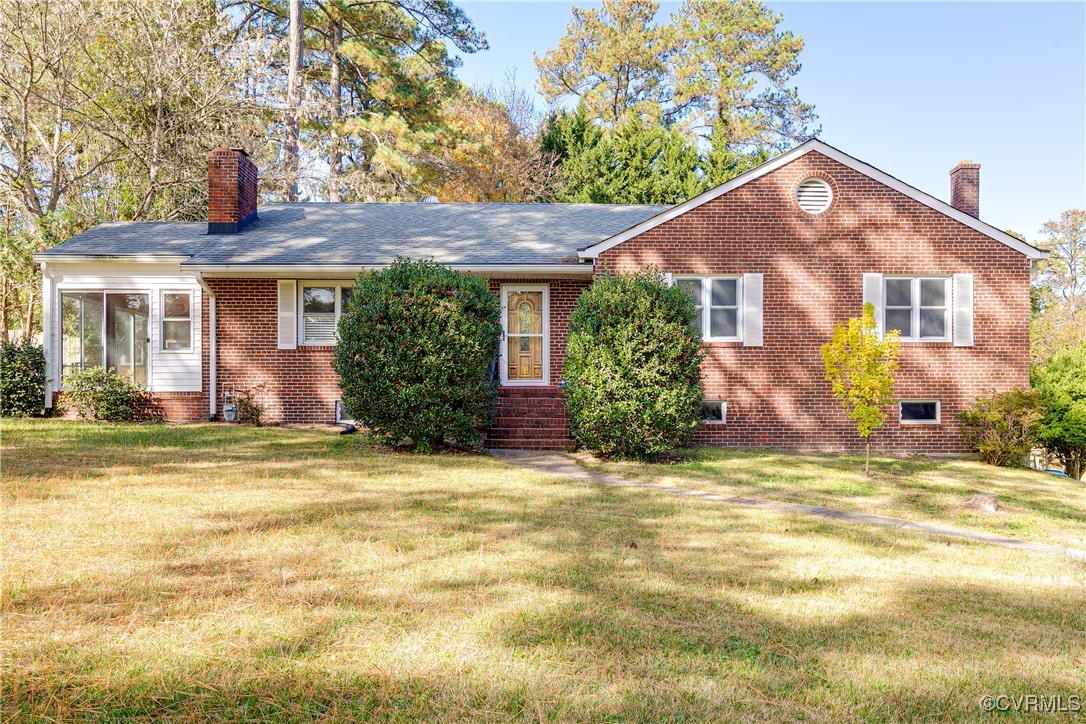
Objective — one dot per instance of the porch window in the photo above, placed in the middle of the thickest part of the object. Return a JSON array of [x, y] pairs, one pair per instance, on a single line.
[[105, 329], [525, 318]]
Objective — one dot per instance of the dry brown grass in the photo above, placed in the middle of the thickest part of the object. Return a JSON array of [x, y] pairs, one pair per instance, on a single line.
[[229, 573], [1034, 505]]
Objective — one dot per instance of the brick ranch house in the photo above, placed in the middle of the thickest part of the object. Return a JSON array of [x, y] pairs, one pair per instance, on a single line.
[[773, 258]]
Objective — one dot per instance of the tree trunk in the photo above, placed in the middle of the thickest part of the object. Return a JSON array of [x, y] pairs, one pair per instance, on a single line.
[[292, 131], [867, 462], [335, 172]]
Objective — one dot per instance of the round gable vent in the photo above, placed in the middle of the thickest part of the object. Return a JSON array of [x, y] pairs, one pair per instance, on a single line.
[[814, 195]]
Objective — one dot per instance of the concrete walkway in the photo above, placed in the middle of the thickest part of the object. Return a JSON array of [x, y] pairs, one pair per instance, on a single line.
[[563, 465]]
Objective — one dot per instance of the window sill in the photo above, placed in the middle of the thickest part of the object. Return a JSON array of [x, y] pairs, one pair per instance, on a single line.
[[909, 340], [919, 423]]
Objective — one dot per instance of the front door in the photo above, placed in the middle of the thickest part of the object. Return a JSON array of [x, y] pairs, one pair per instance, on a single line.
[[524, 358]]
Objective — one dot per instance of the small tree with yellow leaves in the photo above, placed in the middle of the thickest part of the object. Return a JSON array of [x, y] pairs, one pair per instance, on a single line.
[[861, 368]]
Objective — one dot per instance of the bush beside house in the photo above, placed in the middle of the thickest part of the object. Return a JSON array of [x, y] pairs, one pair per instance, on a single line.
[[1001, 427], [100, 395], [633, 387], [1061, 385], [22, 380], [416, 355]]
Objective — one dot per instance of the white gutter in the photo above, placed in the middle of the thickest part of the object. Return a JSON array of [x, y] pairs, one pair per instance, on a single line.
[[110, 258], [557, 268], [212, 350]]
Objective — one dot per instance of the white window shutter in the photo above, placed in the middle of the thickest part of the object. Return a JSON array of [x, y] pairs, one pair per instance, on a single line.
[[873, 296], [752, 310], [963, 310], [669, 279], [288, 314]]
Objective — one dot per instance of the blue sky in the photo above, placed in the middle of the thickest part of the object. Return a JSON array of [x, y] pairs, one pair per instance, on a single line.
[[911, 88]]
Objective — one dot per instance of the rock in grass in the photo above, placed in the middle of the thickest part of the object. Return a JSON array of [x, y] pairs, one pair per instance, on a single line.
[[988, 502]]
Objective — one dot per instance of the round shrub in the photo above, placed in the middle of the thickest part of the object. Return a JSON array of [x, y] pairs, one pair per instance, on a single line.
[[100, 395], [633, 387], [416, 355], [1001, 427], [22, 380]]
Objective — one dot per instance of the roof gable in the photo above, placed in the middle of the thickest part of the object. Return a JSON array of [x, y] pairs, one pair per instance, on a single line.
[[594, 250]]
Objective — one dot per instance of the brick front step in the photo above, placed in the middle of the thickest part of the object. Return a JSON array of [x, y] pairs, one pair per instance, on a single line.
[[529, 435], [535, 422], [531, 392], [530, 418], [505, 444]]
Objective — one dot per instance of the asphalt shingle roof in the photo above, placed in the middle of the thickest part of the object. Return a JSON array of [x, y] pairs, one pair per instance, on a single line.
[[135, 238], [352, 233]]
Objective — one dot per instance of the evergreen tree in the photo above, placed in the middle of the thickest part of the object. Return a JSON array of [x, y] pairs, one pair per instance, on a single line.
[[637, 162]]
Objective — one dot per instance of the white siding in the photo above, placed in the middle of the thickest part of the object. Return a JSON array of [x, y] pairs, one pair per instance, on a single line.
[[170, 371]]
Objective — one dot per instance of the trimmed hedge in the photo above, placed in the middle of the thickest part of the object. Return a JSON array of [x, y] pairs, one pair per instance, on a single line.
[[633, 386], [22, 380], [416, 355]]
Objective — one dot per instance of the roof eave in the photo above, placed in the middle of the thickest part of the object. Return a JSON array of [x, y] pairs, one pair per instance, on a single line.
[[253, 268], [45, 257]]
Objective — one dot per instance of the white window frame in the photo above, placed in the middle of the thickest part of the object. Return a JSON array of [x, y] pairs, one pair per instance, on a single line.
[[342, 418], [162, 319], [104, 291], [504, 376], [938, 412], [948, 307], [337, 291], [706, 306], [723, 412]]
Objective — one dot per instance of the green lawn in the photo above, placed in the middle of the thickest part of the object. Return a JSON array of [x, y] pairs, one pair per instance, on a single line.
[[1036, 506], [234, 573]]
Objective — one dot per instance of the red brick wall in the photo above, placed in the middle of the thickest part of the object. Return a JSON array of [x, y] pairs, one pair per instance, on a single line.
[[813, 266], [299, 384]]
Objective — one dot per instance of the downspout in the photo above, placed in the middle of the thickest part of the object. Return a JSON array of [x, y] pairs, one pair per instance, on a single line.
[[47, 282], [212, 350]]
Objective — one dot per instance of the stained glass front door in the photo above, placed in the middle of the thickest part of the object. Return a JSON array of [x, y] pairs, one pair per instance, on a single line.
[[524, 336]]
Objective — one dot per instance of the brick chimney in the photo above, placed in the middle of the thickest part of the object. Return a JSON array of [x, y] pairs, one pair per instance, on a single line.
[[965, 188], [231, 191]]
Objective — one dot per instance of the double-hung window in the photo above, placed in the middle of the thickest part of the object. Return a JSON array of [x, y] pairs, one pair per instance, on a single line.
[[321, 306], [177, 321], [719, 304], [918, 307]]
